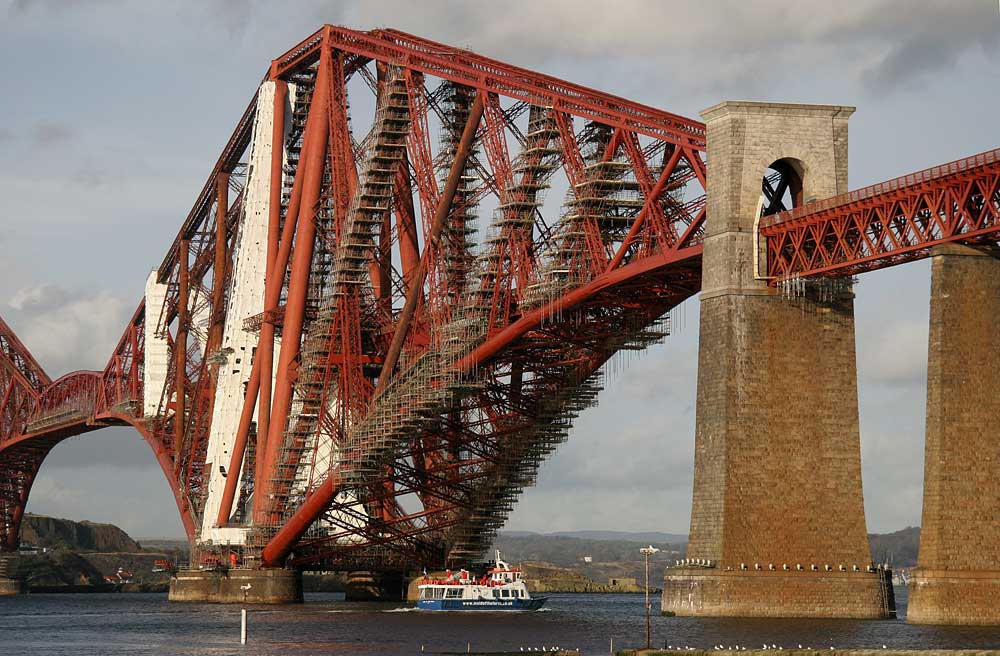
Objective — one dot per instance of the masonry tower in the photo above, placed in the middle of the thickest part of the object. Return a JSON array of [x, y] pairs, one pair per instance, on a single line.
[[777, 525], [958, 576]]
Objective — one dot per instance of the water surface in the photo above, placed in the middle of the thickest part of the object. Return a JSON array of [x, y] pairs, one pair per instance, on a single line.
[[99, 624]]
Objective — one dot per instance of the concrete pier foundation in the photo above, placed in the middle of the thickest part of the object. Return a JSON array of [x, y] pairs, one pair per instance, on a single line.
[[957, 580], [9, 585], [254, 586], [777, 525]]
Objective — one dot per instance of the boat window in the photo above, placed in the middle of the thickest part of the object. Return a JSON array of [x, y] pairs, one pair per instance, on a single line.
[[496, 593], [454, 593], [438, 593], [505, 593], [425, 593]]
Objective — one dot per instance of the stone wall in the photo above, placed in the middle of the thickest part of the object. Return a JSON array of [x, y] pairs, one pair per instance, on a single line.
[[958, 575], [267, 586], [706, 593], [777, 446]]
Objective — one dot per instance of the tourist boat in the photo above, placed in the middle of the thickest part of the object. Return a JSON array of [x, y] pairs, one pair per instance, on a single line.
[[501, 588]]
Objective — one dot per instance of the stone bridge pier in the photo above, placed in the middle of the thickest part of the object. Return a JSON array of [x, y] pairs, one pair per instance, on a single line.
[[777, 525], [958, 576]]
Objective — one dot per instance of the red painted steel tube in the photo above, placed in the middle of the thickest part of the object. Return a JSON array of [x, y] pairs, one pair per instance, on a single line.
[[379, 266], [653, 198], [485, 351], [180, 354], [239, 447], [263, 358], [13, 537], [382, 265], [406, 224], [265, 346], [440, 216], [305, 236], [272, 295], [465, 67], [281, 544], [18, 352], [163, 459]]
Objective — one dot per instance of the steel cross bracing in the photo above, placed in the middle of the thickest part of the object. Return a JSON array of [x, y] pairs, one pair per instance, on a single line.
[[426, 359], [416, 455], [450, 250], [888, 223]]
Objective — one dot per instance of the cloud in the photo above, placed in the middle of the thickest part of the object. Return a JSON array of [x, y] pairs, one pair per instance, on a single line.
[[922, 39], [892, 462], [50, 133], [39, 298], [68, 329], [897, 356], [884, 43]]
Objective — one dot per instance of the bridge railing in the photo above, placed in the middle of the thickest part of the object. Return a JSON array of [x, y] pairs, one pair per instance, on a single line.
[[70, 399], [907, 181]]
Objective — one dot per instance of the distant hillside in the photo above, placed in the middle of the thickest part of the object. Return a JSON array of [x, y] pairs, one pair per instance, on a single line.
[[43, 531], [616, 553], [82, 552], [608, 558], [899, 548], [647, 536], [565, 551]]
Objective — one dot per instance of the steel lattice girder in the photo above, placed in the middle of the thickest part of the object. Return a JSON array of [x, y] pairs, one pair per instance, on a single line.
[[888, 223], [513, 387], [615, 249]]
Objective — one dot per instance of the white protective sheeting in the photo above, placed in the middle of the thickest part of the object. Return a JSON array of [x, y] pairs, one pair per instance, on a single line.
[[246, 299], [157, 349]]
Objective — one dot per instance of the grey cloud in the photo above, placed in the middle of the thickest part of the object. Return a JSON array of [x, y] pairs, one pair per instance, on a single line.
[[121, 446], [892, 468], [897, 355], [89, 178], [68, 329], [931, 40], [885, 42], [50, 133], [38, 299]]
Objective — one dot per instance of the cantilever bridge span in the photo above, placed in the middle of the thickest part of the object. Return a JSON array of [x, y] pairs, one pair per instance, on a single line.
[[401, 279]]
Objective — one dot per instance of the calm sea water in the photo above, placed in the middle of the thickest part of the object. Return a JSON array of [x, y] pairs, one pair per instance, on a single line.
[[81, 625]]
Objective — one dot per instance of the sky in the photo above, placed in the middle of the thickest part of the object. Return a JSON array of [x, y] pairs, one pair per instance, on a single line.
[[114, 112]]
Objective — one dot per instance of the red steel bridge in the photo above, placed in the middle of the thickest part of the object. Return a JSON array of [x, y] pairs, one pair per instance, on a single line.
[[397, 289]]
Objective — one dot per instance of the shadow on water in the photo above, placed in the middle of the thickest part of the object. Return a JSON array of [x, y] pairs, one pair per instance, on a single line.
[[83, 625]]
